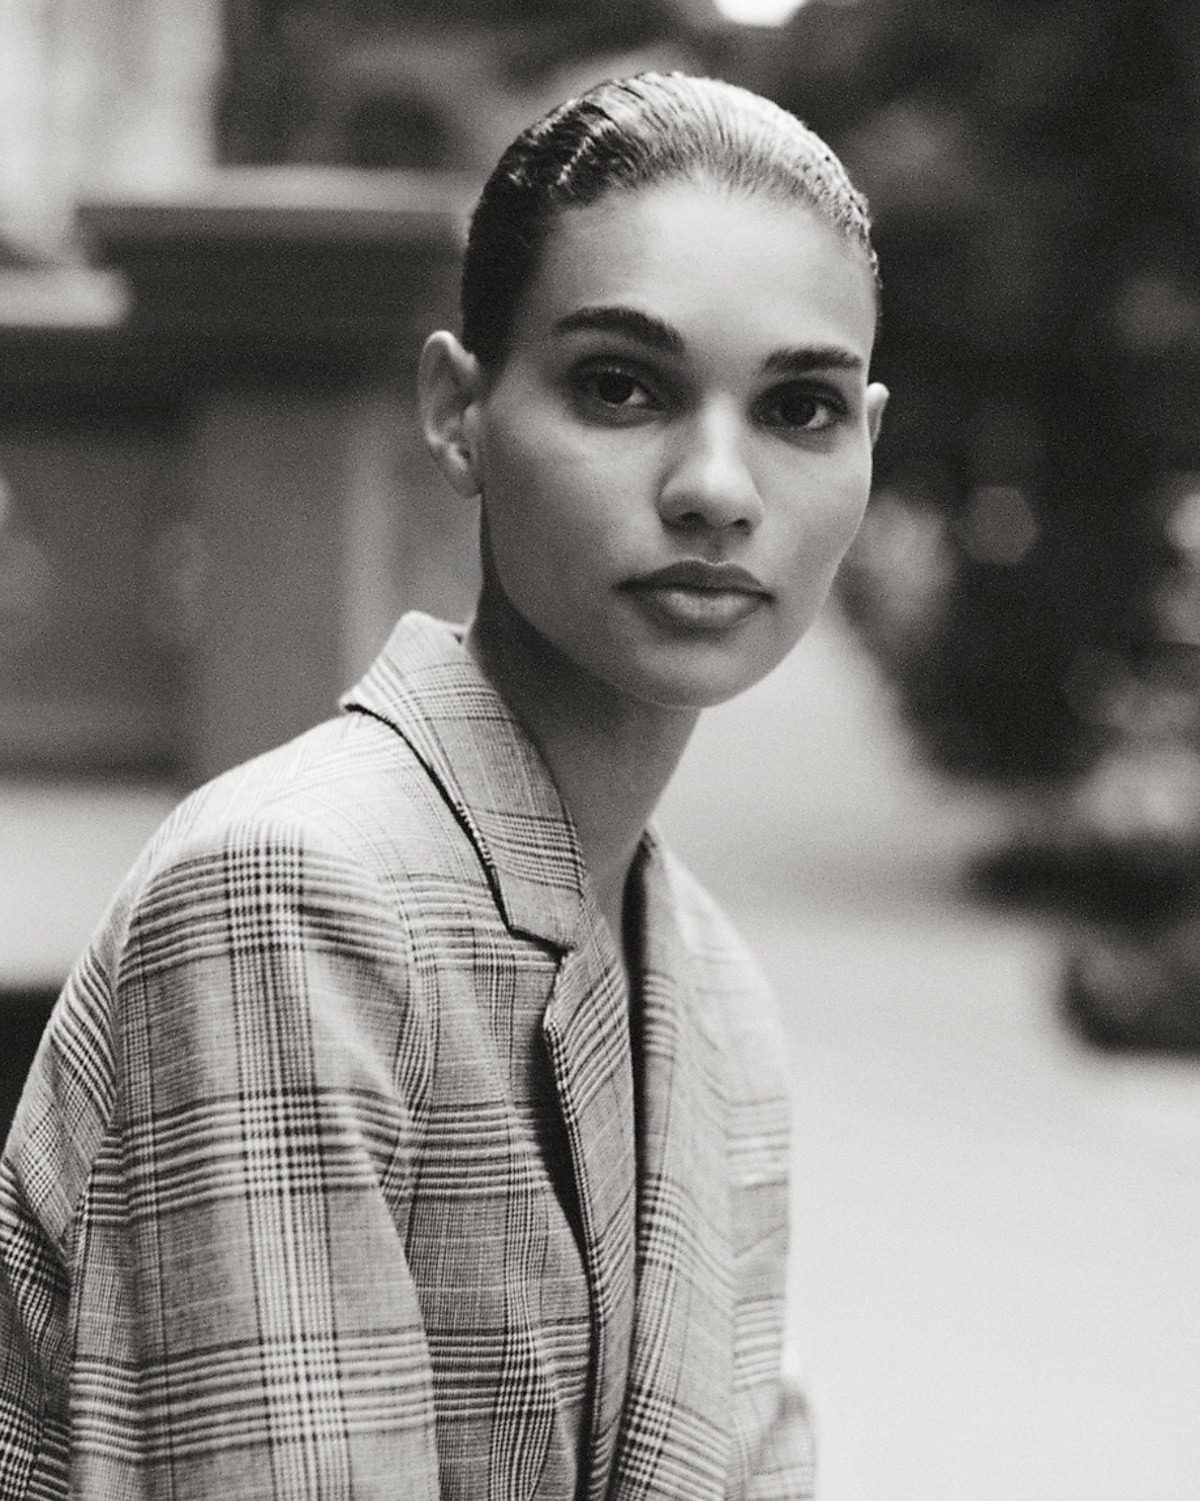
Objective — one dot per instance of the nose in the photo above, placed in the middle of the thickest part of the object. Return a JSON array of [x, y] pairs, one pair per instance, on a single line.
[[708, 483]]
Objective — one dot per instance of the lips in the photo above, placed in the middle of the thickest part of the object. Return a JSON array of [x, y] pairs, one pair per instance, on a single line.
[[697, 595], [698, 573]]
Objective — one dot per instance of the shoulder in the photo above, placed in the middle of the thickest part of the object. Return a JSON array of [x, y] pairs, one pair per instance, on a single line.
[[351, 782], [273, 909], [346, 806], [321, 884], [326, 844]]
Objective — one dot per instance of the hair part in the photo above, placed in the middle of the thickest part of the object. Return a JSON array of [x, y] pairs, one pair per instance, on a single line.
[[633, 133]]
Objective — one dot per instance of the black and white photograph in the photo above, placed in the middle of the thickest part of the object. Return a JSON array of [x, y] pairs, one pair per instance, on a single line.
[[599, 750]]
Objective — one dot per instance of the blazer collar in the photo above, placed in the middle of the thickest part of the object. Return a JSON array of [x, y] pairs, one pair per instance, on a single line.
[[427, 687]]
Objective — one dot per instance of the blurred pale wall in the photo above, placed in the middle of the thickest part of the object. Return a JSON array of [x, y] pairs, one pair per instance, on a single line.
[[100, 92]]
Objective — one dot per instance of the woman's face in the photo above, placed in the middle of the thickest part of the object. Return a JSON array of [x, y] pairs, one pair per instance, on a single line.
[[676, 452]]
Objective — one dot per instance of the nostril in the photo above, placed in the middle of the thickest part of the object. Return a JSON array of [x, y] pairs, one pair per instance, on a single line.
[[687, 521], [716, 513]]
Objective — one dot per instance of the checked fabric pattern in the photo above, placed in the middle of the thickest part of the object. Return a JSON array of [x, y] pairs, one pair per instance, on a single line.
[[335, 1177]]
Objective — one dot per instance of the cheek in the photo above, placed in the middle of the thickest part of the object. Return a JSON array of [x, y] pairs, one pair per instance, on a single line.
[[521, 461], [825, 528], [542, 532], [850, 517], [548, 496]]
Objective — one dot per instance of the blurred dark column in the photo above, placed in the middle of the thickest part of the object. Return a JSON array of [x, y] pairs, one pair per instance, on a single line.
[[274, 490], [271, 511], [294, 309], [89, 487]]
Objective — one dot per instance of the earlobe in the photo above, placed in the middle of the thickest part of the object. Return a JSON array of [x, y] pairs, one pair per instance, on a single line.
[[877, 400], [449, 386]]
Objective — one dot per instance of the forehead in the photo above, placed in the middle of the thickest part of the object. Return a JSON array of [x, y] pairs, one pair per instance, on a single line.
[[732, 272]]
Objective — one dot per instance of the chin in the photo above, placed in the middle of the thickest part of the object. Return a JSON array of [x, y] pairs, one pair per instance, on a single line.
[[697, 689], [703, 678]]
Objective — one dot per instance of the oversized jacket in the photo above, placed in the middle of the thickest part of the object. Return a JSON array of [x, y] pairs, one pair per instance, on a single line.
[[342, 1170]]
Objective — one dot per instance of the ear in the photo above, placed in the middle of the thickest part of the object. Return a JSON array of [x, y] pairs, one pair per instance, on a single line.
[[449, 388], [877, 399]]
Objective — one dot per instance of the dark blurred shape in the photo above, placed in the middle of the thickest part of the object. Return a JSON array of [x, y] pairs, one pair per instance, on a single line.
[[1136, 988], [1130, 884], [87, 681], [377, 122], [23, 1017], [1131, 973], [1116, 854], [1136, 992], [16, 257], [407, 83]]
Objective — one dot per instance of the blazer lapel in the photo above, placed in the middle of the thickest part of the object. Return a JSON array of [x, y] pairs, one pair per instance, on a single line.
[[586, 1029], [430, 691], [675, 1429]]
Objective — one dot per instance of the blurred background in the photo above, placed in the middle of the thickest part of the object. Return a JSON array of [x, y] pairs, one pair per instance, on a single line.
[[959, 825]]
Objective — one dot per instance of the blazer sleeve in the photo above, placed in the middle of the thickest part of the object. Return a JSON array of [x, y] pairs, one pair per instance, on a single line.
[[784, 1465], [775, 1422], [226, 1309]]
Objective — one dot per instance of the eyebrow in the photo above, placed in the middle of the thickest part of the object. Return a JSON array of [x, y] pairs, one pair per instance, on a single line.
[[634, 324], [805, 360], [646, 329]]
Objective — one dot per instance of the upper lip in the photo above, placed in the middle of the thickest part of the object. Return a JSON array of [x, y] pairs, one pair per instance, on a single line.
[[699, 573]]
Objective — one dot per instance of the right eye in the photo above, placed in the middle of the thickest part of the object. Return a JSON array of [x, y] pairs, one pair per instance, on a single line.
[[615, 391]]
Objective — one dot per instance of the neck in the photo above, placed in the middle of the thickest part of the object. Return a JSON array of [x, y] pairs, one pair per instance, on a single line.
[[611, 756]]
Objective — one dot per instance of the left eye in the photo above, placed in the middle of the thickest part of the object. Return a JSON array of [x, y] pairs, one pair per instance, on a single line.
[[800, 407], [616, 389]]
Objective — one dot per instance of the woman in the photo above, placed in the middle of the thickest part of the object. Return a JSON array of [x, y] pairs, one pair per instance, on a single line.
[[413, 1127]]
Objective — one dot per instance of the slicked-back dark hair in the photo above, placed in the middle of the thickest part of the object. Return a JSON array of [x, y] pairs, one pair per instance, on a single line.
[[634, 133]]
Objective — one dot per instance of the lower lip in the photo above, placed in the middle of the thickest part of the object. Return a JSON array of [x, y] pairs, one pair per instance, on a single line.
[[698, 609]]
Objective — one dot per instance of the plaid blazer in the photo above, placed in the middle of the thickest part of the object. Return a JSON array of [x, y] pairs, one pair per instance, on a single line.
[[337, 1175]]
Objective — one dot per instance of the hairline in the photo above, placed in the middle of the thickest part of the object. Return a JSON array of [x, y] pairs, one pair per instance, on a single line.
[[773, 187]]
